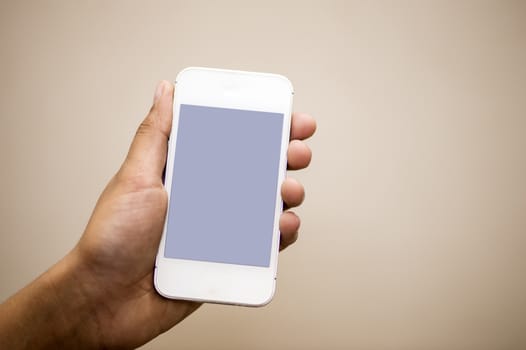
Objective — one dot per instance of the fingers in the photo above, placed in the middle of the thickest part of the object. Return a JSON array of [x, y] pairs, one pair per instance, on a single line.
[[298, 155], [292, 193], [302, 126], [289, 224], [147, 155]]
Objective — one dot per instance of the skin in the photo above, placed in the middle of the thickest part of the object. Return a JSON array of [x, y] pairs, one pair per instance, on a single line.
[[101, 294]]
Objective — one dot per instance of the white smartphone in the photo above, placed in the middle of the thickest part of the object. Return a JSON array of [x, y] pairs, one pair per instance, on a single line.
[[226, 163]]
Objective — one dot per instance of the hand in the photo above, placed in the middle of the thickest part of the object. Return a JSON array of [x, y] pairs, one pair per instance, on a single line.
[[110, 271]]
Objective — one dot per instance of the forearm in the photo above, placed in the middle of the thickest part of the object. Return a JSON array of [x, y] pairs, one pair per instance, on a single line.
[[52, 312]]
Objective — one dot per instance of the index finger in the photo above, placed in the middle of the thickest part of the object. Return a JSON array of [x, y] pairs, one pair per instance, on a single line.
[[302, 126]]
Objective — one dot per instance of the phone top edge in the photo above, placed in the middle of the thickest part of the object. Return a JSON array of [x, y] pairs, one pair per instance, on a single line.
[[234, 71]]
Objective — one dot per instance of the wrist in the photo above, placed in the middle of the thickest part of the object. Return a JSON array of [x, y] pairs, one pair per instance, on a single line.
[[74, 302], [54, 311]]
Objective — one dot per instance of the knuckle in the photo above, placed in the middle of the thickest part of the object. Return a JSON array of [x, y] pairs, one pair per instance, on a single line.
[[145, 127], [134, 180]]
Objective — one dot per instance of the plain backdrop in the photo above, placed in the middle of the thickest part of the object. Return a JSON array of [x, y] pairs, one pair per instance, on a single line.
[[414, 226]]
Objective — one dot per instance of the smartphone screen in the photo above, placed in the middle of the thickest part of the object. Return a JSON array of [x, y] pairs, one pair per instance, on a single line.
[[223, 191]]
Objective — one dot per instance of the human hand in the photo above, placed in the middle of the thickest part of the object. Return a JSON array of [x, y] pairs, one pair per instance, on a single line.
[[110, 270]]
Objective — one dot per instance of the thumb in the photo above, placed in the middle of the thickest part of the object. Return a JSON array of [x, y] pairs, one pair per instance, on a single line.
[[147, 155]]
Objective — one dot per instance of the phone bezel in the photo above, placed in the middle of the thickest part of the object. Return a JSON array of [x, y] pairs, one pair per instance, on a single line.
[[210, 281]]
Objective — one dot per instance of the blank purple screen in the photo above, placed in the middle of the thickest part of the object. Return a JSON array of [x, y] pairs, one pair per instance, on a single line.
[[224, 185]]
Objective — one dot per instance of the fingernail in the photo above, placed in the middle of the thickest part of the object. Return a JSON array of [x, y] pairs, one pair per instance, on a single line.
[[158, 92]]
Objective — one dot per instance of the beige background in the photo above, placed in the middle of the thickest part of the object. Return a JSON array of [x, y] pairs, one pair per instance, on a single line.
[[414, 226]]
